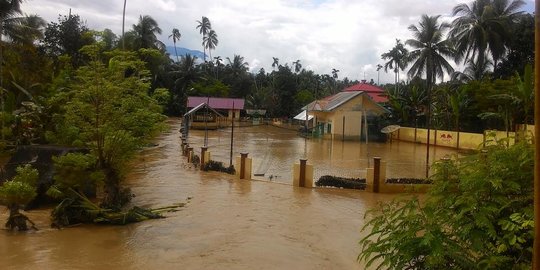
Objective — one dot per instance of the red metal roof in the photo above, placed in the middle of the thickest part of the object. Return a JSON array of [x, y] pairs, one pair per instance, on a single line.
[[375, 92], [217, 103]]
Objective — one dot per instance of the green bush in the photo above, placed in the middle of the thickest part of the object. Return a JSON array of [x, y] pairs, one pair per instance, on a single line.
[[341, 182], [217, 166], [18, 192], [478, 215]]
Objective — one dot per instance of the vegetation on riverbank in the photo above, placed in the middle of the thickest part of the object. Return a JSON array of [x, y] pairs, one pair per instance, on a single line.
[[477, 215]]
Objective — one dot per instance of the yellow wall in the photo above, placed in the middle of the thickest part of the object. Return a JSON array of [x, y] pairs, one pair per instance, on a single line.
[[236, 113], [441, 137], [352, 123], [470, 140]]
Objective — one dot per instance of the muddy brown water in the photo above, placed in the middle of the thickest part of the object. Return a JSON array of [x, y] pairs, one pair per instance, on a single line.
[[228, 223]]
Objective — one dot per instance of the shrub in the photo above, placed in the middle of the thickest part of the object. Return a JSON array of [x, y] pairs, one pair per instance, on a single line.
[[341, 182], [218, 166]]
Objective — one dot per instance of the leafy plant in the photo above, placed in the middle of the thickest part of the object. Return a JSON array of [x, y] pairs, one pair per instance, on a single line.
[[478, 215], [18, 192]]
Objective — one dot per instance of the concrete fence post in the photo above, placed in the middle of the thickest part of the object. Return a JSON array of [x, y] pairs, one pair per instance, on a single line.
[[189, 153], [203, 153], [184, 148], [376, 174], [302, 178], [303, 174], [243, 157]]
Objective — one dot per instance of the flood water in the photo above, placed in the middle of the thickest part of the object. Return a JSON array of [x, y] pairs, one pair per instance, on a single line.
[[228, 223], [274, 151]]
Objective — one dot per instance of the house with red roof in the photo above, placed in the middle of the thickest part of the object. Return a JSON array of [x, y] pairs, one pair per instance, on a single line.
[[345, 114], [376, 93]]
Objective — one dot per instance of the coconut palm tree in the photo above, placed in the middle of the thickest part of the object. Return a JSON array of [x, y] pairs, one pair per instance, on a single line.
[[473, 71], [397, 60], [335, 77], [429, 50], [335, 73], [219, 62], [26, 30], [145, 33], [458, 102], [483, 26], [237, 65], [297, 66], [415, 102], [204, 27], [210, 41], [428, 57], [379, 66], [275, 63], [175, 35], [184, 74]]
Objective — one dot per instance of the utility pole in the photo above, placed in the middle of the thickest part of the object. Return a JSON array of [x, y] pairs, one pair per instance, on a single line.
[[232, 135], [206, 123], [536, 245], [123, 25]]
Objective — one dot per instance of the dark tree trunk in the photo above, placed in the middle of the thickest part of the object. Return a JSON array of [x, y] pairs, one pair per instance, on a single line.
[[17, 220]]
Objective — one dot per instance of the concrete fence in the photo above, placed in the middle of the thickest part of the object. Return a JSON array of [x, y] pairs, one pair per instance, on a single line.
[[459, 140]]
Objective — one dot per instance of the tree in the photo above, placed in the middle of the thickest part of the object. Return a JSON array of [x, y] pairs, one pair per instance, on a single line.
[[238, 65], [335, 77], [397, 60], [379, 66], [184, 74], [415, 101], [286, 89], [145, 33], [26, 30], [473, 71], [430, 49], [204, 27], [18, 53], [297, 66], [458, 102], [236, 76], [108, 39], [275, 62], [67, 37], [483, 26], [428, 56], [520, 49], [110, 112], [175, 37], [210, 41], [396, 102], [219, 63], [8, 11], [18, 192]]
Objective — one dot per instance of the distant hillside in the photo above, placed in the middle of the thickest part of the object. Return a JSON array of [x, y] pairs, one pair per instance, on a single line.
[[183, 51]]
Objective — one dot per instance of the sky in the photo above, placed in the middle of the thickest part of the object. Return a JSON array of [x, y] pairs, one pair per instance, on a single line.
[[348, 35]]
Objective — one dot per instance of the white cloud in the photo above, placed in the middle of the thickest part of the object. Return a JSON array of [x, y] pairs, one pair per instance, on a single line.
[[348, 35]]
